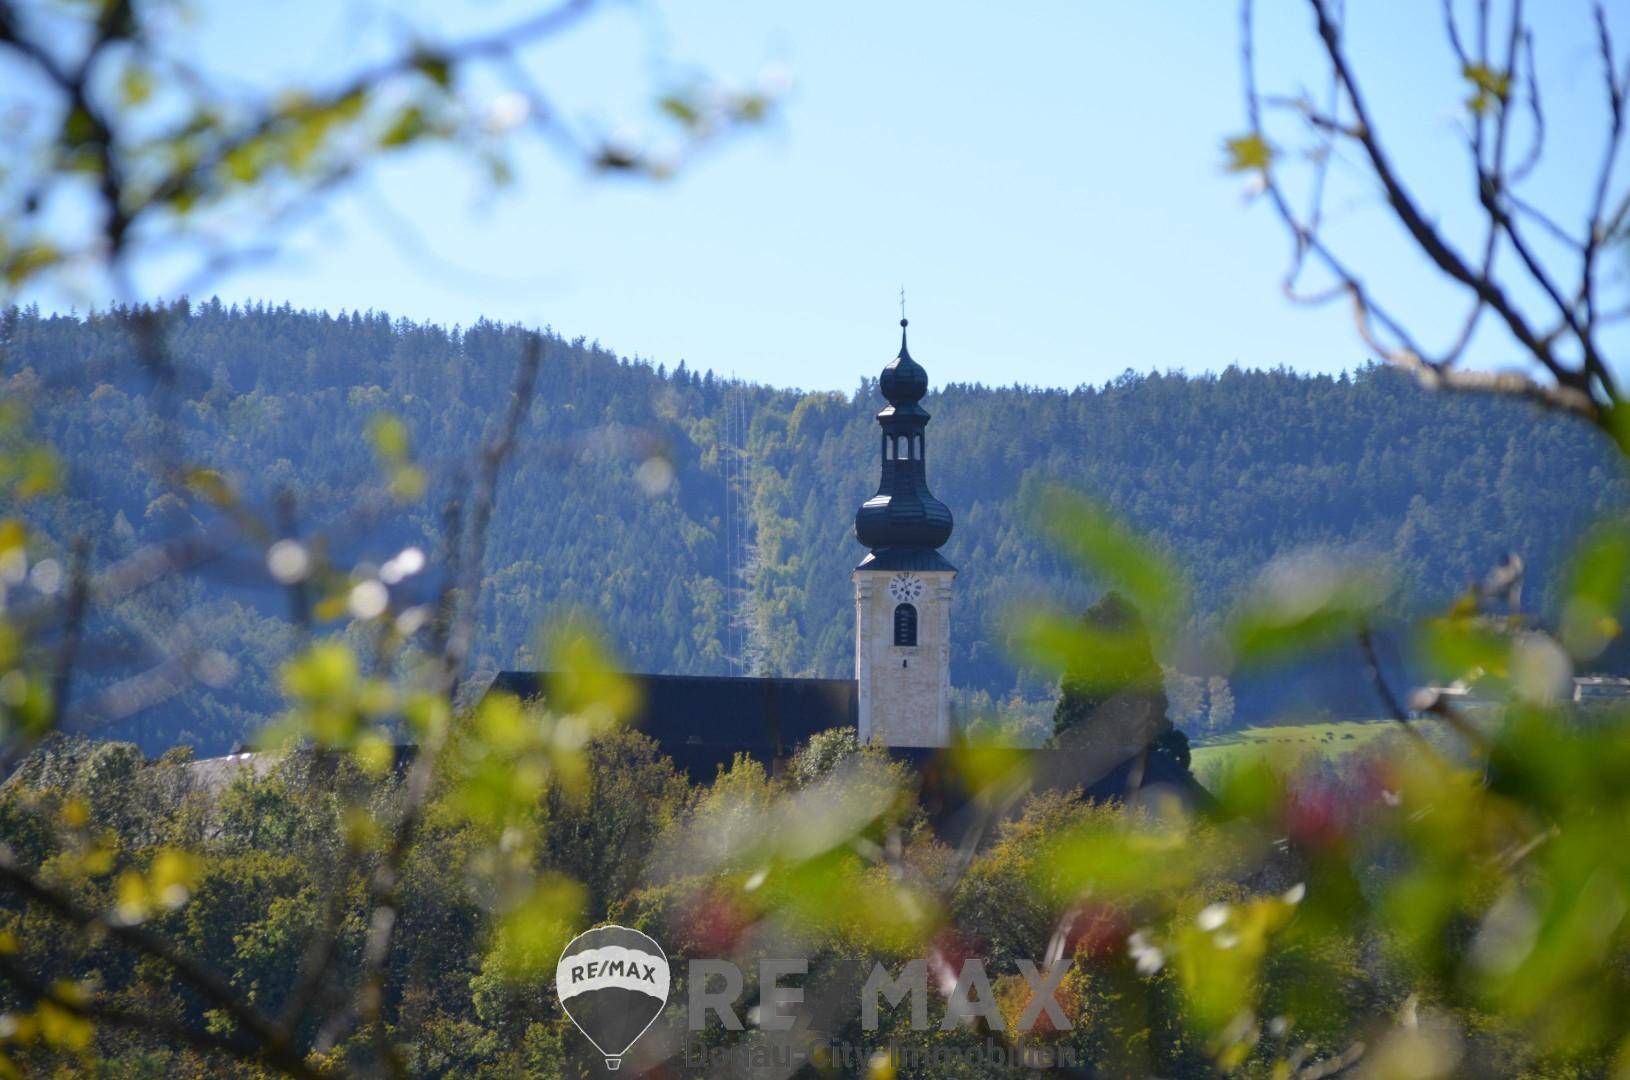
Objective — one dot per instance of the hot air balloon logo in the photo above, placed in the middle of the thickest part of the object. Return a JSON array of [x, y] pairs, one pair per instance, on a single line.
[[612, 983]]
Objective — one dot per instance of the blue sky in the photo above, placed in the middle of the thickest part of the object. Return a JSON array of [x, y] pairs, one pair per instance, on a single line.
[[1044, 179]]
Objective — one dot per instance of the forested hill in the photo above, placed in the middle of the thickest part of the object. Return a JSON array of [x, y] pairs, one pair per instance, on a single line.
[[1225, 471]]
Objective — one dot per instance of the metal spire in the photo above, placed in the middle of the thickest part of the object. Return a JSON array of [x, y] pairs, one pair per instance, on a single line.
[[902, 319]]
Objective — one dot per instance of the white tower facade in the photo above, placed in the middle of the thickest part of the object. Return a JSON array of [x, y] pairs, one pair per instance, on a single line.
[[903, 656], [903, 588]]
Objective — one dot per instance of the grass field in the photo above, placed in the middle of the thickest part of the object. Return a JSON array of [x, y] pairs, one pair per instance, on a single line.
[[1330, 740]]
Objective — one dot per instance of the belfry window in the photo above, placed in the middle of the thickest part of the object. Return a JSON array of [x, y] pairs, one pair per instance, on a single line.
[[888, 448], [917, 450], [905, 625]]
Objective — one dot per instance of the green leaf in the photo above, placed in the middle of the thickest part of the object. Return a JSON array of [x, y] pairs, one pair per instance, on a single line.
[[1115, 554], [586, 680], [681, 108], [24, 262], [435, 68], [1596, 591], [1303, 601], [1094, 658], [136, 85], [326, 672], [1464, 647], [39, 473], [78, 128], [409, 125]]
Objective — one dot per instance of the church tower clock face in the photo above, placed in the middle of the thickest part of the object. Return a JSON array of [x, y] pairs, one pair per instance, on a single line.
[[905, 588]]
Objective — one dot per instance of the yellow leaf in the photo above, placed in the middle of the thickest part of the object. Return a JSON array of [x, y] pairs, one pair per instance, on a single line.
[[330, 608], [97, 859], [327, 672], [531, 935], [131, 906], [211, 485], [1246, 152], [374, 753], [389, 436], [62, 1028], [24, 262], [75, 814], [408, 483], [427, 715], [1488, 87], [173, 876]]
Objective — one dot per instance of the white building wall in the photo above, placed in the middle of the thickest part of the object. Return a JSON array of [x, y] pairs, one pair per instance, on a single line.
[[905, 690]]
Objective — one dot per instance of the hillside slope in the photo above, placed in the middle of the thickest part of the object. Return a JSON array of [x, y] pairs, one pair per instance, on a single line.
[[1224, 471]]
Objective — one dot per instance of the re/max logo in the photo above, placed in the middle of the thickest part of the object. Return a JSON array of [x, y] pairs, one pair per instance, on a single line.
[[613, 969], [715, 986]]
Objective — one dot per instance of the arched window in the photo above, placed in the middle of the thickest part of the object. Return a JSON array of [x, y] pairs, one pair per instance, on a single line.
[[917, 451], [905, 625], [888, 448], [902, 448]]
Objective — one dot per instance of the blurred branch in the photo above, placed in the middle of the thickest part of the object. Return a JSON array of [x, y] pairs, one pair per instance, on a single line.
[[217, 991], [1584, 386], [145, 1023], [1372, 668], [465, 581]]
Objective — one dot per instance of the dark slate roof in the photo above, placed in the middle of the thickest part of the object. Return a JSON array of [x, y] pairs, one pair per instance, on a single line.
[[903, 513], [904, 558], [903, 382], [702, 721]]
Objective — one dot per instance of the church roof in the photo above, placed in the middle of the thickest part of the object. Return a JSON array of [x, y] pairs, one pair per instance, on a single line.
[[905, 558], [702, 721]]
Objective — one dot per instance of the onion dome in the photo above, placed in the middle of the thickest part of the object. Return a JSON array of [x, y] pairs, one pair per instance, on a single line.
[[903, 523], [903, 382]]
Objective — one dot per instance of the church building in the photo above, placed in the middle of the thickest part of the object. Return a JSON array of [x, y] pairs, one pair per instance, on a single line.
[[899, 697]]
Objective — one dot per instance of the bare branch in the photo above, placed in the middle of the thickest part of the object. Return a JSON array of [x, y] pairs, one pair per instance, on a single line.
[[1596, 232], [1425, 234]]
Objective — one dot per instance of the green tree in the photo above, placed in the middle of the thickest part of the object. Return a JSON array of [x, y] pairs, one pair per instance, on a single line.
[[1119, 698]]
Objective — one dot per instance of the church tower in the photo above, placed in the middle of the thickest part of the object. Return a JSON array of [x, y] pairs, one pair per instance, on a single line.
[[903, 587]]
